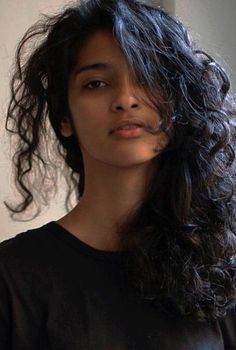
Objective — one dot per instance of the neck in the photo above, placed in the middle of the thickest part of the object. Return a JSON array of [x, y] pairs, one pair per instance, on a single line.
[[110, 194]]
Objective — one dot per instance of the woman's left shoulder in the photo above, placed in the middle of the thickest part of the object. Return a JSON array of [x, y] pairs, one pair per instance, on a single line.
[[228, 328]]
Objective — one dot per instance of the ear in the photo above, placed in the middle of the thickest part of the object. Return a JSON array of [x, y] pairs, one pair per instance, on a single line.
[[66, 127]]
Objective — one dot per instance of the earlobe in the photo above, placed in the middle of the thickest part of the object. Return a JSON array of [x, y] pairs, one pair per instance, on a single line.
[[66, 128]]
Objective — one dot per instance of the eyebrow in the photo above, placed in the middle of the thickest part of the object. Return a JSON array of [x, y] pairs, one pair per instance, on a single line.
[[93, 67]]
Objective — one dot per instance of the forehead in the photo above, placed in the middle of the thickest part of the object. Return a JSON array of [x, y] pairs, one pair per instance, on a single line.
[[101, 45], [102, 52]]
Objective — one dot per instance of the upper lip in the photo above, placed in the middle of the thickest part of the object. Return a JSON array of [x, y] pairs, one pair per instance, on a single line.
[[132, 121]]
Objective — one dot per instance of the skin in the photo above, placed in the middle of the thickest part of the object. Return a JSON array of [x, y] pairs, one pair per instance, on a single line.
[[117, 170]]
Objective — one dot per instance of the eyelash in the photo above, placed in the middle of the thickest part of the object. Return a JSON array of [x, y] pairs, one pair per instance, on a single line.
[[93, 81]]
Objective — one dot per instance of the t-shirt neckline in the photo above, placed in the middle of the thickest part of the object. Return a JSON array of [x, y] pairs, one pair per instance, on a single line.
[[83, 247]]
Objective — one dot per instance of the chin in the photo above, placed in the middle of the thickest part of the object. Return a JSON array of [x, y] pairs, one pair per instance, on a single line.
[[128, 163]]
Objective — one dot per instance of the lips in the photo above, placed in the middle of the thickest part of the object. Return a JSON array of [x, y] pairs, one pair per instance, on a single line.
[[128, 124], [125, 127]]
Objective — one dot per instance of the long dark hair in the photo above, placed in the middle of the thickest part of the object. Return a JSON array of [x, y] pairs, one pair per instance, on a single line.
[[182, 238]]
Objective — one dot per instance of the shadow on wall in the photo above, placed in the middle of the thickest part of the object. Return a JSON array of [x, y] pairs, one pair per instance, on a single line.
[[168, 5]]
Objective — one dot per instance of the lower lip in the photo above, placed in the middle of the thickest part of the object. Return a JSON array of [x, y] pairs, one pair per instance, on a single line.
[[128, 133]]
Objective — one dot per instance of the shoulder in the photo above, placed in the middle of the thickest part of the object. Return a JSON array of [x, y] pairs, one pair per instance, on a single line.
[[228, 328], [26, 244], [29, 257]]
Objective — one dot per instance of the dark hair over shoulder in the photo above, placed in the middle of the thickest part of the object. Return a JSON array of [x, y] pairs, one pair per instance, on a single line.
[[182, 238]]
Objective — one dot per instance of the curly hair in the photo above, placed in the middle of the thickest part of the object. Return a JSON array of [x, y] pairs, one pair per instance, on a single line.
[[181, 239]]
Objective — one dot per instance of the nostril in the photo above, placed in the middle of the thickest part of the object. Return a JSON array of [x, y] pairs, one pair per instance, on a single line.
[[135, 105]]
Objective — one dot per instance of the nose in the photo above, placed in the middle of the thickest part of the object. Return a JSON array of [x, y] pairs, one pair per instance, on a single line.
[[125, 98]]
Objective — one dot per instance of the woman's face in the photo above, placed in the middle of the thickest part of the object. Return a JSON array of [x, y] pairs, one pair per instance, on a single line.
[[103, 98]]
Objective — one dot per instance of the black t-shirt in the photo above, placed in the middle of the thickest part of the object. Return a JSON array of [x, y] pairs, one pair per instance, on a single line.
[[56, 292]]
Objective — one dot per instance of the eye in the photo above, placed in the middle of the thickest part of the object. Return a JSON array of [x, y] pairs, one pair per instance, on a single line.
[[94, 84]]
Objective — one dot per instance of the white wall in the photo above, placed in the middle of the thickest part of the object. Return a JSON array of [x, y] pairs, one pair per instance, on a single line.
[[15, 18], [212, 23]]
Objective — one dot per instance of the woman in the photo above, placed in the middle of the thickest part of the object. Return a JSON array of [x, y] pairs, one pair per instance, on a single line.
[[144, 124]]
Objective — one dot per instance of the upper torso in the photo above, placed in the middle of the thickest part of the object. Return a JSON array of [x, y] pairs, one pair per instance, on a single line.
[[58, 293]]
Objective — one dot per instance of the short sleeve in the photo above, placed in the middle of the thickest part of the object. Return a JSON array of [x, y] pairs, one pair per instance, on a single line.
[[228, 329], [4, 313]]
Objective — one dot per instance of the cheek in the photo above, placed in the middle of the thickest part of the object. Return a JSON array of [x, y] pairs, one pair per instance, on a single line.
[[80, 118], [87, 113], [86, 130], [162, 142]]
